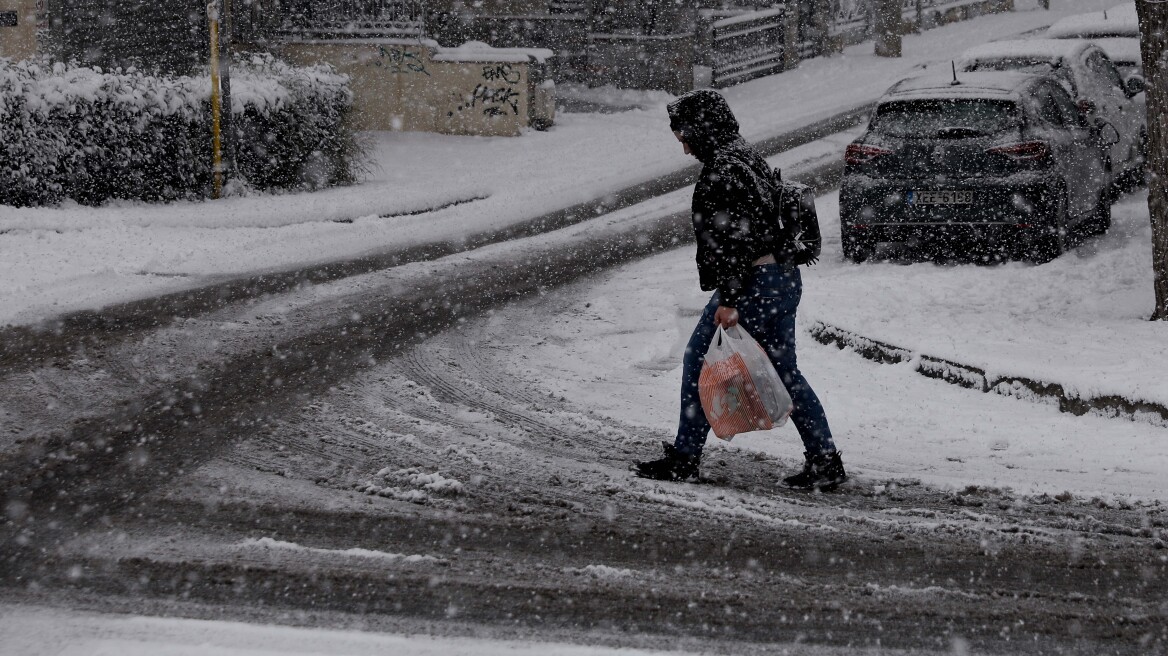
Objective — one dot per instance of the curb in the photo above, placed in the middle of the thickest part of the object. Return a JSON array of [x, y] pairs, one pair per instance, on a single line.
[[975, 378]]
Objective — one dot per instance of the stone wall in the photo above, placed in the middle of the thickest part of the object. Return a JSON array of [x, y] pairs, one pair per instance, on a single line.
[[935, 17], [566, 34], [929, 18]]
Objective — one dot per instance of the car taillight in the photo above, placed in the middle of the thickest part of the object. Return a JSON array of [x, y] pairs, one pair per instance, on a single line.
[[1026, 150], [861, 154]]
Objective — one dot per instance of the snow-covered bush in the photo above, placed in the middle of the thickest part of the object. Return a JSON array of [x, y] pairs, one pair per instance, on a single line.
[[292, 124], [68, 131]]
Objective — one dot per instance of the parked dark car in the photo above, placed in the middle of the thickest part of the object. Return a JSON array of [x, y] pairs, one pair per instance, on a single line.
[[999, 159]]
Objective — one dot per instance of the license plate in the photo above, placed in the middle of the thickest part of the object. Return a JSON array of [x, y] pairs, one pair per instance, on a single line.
[[941, 197]]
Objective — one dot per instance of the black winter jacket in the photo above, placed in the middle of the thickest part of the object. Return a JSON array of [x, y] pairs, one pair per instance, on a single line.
[[733, 198]]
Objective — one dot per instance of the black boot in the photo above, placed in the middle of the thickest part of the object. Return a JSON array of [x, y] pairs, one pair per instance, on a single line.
[[821, 472], [673, 467]]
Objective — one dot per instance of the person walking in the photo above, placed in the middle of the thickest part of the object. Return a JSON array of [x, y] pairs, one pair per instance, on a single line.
[[755, 282]]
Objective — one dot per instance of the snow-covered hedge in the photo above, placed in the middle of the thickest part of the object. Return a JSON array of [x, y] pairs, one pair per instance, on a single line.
[[68, 131]]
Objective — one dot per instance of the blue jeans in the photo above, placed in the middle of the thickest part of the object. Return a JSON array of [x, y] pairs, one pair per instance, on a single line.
[[766, 310]]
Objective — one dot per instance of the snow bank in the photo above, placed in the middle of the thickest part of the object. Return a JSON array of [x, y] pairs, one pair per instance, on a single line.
[[269, 543]]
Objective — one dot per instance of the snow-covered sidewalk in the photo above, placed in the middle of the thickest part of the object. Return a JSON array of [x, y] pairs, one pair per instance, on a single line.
[[53, 261], [1078, 321]]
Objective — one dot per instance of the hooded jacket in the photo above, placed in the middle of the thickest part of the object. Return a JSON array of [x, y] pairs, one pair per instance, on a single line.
[[733, 195]]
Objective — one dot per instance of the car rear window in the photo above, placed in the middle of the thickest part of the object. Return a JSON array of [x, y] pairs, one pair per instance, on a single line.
[[958, 117], [1024, 64]]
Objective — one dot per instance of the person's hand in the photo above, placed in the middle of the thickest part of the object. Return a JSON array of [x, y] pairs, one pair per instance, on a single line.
[[727, 317]]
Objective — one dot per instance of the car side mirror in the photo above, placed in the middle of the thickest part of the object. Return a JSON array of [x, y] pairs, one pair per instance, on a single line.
[[1085, 118], [1134, 86]]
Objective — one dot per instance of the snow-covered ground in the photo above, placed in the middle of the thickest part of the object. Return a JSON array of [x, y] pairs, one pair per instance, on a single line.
[[58, 260], [32, 631]]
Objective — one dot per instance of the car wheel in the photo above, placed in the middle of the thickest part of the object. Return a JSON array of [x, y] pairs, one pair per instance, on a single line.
[[856, 248], [1100, 221], [1052, 241]]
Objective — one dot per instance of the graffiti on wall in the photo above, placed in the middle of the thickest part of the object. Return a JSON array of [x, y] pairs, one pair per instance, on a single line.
[[494, 101], [495, 96], [502, 73], [400, 60]]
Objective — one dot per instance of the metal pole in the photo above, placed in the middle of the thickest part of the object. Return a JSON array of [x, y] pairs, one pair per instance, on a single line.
[[228, 118], [216, 144]]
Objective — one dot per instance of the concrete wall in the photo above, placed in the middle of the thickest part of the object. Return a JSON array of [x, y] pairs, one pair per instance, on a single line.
[[412, 86], [931, 18], [483, 98], [18, 41]]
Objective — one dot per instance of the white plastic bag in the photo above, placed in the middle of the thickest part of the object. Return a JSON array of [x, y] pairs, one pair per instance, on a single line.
[[739, 388]]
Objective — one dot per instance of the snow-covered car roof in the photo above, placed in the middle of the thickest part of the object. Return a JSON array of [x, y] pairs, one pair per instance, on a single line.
[[1117, 21], [1037, 50], [1122, 51], [989, 85]]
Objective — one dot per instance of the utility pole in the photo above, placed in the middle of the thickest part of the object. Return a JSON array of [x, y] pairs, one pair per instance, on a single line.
[[1153, 17], [888, 28], [227, 119]]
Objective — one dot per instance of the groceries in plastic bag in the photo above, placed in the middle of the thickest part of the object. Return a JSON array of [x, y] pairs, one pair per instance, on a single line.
[[739, 387]]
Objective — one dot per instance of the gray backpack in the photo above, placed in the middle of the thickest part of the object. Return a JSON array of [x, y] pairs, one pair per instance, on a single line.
[[797, 239]]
